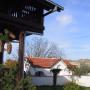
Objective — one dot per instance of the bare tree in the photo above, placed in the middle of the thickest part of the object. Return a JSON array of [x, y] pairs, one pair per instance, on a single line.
[[40, 47]]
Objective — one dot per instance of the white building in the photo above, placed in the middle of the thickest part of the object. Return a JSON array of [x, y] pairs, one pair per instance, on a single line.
[[40, 70], [43, 66]]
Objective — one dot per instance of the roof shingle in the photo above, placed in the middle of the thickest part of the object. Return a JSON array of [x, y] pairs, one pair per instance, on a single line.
[[46, 62], [43, 62]]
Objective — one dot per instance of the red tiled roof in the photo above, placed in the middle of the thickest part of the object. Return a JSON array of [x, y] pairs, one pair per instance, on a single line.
[[46, 62], [43, 62], [67, 62]]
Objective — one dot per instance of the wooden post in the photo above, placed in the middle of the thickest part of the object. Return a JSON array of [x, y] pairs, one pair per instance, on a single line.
[[1, 58], [1, 51], [55, 72], [21, 55]]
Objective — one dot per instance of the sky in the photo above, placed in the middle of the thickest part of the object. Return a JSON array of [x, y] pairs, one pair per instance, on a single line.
[[69, 29]]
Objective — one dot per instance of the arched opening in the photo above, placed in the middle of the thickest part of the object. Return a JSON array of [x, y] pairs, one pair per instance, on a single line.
[[39, 73]]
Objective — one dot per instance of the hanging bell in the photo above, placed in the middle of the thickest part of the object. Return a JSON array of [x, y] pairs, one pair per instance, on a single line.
[[9, 47]]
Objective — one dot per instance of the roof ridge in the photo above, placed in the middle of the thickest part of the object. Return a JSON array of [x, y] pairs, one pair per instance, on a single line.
[[44, 62], [44, 57]]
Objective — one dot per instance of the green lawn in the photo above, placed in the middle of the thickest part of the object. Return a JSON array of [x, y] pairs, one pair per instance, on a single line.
[[49, 88], [83, 88], [58, 88]]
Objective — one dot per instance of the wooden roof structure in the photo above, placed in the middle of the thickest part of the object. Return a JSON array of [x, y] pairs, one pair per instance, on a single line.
[[20, 16], [26, 15]]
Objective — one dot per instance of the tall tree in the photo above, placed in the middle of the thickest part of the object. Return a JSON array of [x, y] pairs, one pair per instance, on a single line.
[[40, 47]]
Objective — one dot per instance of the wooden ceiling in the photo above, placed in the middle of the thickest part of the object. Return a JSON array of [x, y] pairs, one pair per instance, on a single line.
[[24, 15]]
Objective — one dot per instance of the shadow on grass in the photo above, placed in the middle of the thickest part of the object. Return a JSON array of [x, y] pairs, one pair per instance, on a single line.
[[84, 88], [58, 88], [49, 88]]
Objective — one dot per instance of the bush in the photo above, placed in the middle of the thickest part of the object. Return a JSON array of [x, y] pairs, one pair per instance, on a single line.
[[9, 80], [11, 63], [71, 86], [26, 84]]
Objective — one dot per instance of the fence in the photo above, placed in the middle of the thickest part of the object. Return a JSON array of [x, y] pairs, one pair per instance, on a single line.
[[61, 80], [83, 81]]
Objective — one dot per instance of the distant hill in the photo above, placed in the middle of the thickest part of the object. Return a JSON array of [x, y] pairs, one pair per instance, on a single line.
[[77, 62]]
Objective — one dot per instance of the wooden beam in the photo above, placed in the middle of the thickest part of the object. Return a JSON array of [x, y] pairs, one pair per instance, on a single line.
[[21, 55], [1, 51]]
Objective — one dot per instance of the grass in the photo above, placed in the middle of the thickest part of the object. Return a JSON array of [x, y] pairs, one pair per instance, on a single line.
[[49, 88], [58, 88], [85, 88]]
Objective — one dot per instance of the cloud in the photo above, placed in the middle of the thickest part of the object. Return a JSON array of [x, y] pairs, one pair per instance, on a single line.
[[65, 19]]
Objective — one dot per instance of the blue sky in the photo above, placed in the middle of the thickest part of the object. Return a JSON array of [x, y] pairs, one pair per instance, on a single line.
[[69, 29]]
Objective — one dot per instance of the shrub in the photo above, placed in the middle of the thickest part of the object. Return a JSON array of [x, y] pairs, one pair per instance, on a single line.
[[26, 84], [71, 86], [11, 63], [9, 81]]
